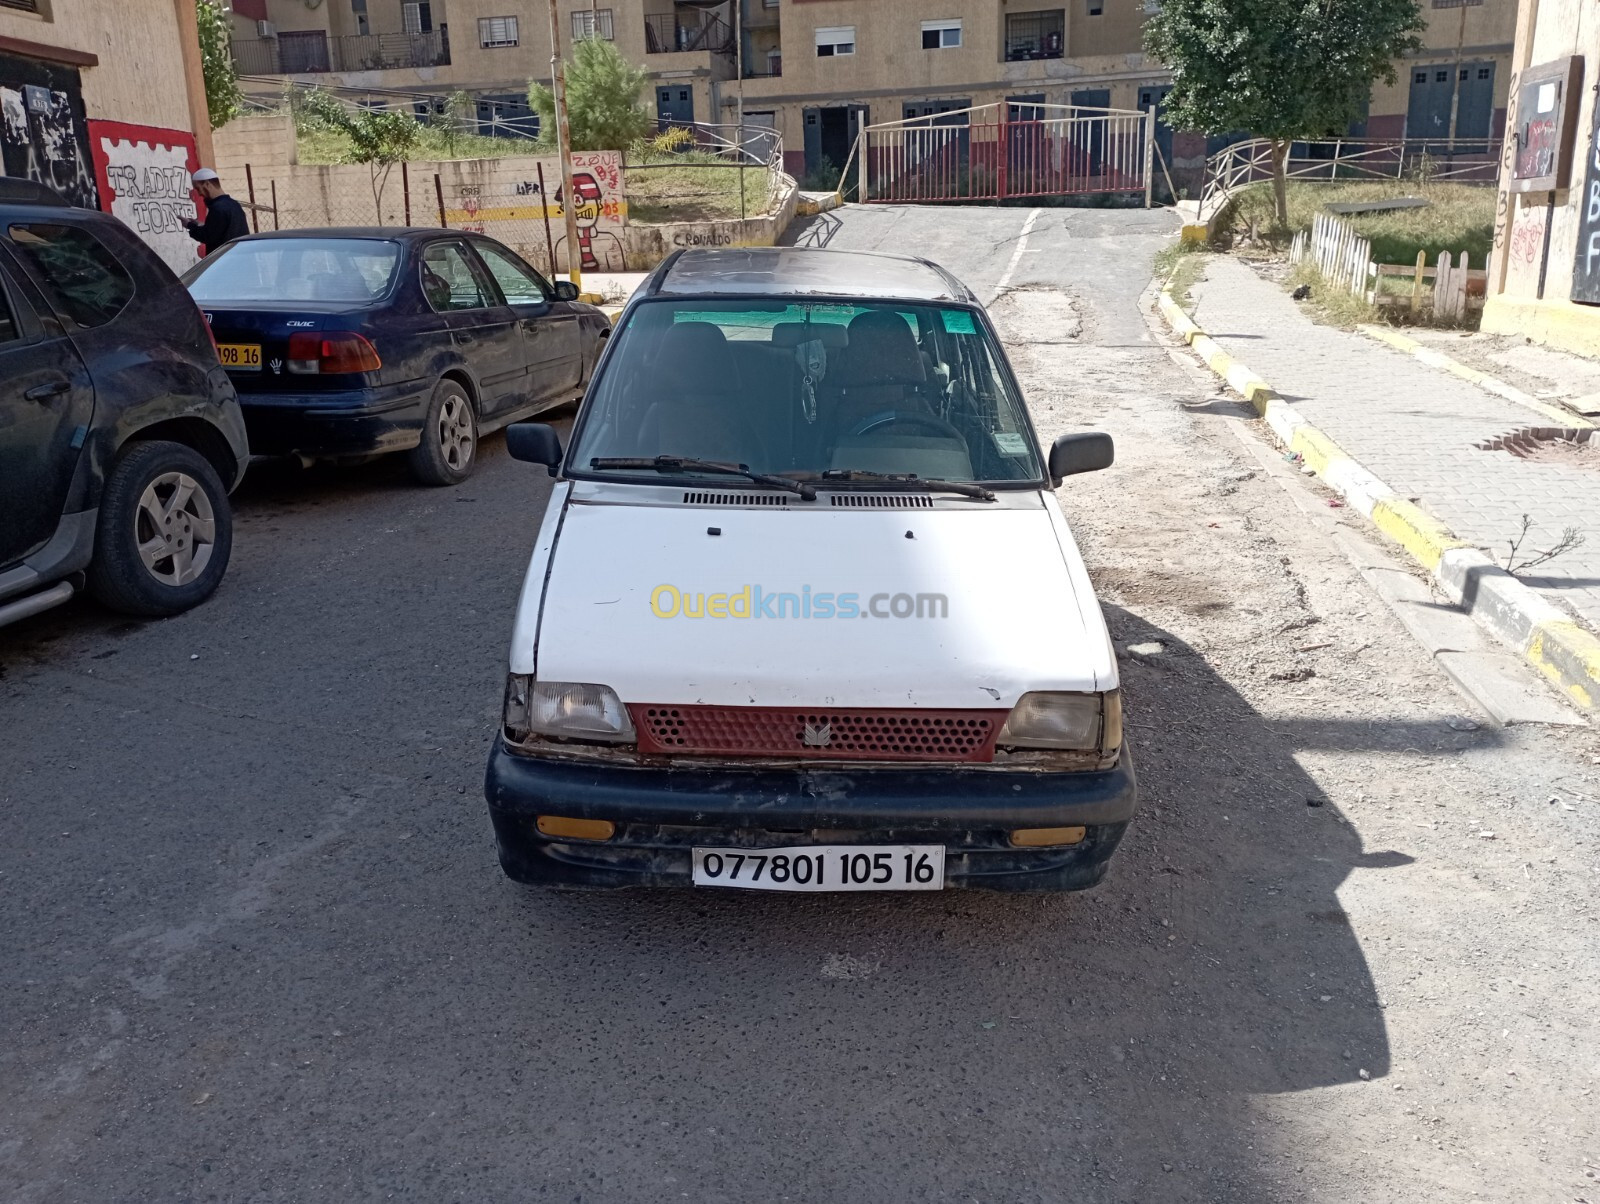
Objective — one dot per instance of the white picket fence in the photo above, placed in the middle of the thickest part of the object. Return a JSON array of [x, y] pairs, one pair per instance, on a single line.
[[1345, 260]]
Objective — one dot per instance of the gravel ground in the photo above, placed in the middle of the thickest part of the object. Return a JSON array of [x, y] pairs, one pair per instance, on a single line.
[[259, 949]]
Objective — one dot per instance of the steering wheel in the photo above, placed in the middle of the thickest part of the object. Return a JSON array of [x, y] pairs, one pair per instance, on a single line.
[[913, 418]]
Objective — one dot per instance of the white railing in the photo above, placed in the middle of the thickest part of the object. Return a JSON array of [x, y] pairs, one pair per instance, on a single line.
[[1464, 161], [1000, 151]]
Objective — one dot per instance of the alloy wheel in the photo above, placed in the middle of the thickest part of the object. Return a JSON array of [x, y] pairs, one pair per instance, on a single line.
[[175, 529], [456, 435]]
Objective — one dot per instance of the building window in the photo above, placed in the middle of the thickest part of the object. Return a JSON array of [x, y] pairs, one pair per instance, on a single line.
[[941, 35], [836, 40], [1097, 7], [417, 16], [586, 21], [358, 6], [27, 6], [497, 31], [1456, 3], [1038, 35]]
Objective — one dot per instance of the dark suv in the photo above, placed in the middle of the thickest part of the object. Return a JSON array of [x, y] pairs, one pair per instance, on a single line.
[[120, 434]]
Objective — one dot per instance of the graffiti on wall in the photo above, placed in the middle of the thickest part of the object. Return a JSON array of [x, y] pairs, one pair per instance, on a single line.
[[143, 174], [42, 128], [528, 214]]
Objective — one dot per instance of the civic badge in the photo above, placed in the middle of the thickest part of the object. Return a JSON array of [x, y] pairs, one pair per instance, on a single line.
[[817, 735]]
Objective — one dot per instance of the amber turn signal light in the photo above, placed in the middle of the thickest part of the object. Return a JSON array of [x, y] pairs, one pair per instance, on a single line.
[[1046, 838], [577, 829]]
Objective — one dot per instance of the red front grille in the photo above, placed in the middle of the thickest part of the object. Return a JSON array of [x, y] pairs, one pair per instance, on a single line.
[[909, 735]]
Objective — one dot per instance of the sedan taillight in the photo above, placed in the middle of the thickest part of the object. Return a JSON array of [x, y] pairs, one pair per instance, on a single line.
[[335, 353]]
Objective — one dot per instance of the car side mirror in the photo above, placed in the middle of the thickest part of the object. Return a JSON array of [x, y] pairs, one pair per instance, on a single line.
[[534, 443], [1081, 451], [566, 290]]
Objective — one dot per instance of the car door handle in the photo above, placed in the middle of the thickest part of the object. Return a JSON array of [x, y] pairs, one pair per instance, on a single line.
[[45, 392]]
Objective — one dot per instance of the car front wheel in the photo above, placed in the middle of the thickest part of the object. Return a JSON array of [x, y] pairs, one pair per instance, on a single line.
[[164, 534], [449, 448]]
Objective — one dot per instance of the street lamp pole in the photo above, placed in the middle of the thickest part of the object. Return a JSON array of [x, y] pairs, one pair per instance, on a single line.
[[558, 86]]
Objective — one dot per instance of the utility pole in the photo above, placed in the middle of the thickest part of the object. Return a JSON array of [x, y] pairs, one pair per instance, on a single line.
[[558, 86]]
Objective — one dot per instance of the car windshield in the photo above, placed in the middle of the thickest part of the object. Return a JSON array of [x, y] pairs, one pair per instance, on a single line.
[[805, 388], [356, 270]]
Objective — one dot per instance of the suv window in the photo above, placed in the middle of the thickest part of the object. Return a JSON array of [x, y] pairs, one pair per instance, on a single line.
[[520, 283], [84, 279], [10, 332], [449, 280]]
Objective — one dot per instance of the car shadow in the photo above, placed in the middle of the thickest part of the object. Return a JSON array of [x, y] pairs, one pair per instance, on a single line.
[[1107, 1045]]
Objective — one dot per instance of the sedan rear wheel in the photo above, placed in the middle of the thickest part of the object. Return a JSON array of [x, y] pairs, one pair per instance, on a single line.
[[449, 448]]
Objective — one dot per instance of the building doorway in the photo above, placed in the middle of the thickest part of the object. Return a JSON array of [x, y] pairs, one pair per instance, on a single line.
[[830, 133], [675, 105]]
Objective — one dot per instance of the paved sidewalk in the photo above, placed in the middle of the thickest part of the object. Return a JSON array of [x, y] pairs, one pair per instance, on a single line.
[[1415, 427]]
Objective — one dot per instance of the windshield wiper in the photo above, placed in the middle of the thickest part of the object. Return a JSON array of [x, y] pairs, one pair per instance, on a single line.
[[808, 493], [907, 480]]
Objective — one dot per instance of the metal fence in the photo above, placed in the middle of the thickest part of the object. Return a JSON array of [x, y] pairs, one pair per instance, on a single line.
[[1464, 161], [519, 199], [996, 151]]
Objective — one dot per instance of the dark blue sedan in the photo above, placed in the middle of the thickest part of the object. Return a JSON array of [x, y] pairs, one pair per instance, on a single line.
[[346, 343]]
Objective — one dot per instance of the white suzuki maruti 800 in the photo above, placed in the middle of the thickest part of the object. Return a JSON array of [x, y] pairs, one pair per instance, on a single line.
[[803, 612]]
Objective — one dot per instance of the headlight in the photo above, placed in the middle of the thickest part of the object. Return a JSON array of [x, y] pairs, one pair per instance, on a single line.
[[558, 708], [1084, 722]]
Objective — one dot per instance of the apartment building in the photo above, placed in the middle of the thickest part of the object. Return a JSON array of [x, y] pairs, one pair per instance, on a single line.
[[817, 70], [488, 48], [104, 101]]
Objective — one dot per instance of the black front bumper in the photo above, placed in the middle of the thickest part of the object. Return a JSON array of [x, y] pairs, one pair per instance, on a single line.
[[663, 813]]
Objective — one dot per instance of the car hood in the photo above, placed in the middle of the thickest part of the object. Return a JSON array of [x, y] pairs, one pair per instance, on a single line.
[[1017, 611]]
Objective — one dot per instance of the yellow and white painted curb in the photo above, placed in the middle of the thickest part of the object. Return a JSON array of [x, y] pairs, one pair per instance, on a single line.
[[1438, 359], [1561, 649]]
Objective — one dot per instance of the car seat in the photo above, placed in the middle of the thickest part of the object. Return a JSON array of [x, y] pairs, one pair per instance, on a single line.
[[699, 407]]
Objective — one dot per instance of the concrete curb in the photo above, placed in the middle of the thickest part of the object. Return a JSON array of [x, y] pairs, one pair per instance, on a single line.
[[1565, 652], [1438, 359]]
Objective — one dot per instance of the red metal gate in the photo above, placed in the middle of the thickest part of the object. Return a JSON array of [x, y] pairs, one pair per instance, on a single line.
[[981, 154]]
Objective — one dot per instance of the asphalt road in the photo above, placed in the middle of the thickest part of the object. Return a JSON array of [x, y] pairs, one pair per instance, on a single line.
[[257, 946]]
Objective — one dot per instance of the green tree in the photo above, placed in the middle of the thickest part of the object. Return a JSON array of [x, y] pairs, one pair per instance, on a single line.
[[380, 138], [603, 109], [1285, 70], [460, 110], [224, 100]]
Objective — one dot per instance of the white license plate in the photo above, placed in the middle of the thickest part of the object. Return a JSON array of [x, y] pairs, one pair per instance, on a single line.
[[824, 867]]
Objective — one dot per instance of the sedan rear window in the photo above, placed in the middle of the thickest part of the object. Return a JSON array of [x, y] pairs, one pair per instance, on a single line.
[[355, 270]]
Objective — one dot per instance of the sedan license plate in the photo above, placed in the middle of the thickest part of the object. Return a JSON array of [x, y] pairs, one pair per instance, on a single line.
[[824, 867], [240, 357]]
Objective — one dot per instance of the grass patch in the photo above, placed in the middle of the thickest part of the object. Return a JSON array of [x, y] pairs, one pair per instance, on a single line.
[[692, 186], [1331, 305], [1180, 266], [1460, 217]]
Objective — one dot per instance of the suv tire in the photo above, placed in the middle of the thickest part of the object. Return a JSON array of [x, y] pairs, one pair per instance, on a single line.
[[165, 531], [449, 449]]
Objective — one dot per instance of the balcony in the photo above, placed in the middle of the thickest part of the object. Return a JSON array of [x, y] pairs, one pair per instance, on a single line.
[[1038, 35], [667, 33], [314, 52]]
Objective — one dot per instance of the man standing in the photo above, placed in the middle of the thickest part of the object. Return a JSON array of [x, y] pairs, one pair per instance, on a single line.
[[225, 218]]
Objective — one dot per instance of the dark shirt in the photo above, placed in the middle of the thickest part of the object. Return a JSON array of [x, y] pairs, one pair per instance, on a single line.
[[225, 221]]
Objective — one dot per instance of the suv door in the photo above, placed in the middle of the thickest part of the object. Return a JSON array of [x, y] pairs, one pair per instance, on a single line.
[[482, 326], [551, 339], [46, 403]]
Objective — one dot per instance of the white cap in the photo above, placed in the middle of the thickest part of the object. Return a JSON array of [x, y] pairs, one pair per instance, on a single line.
[[204, 174]]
